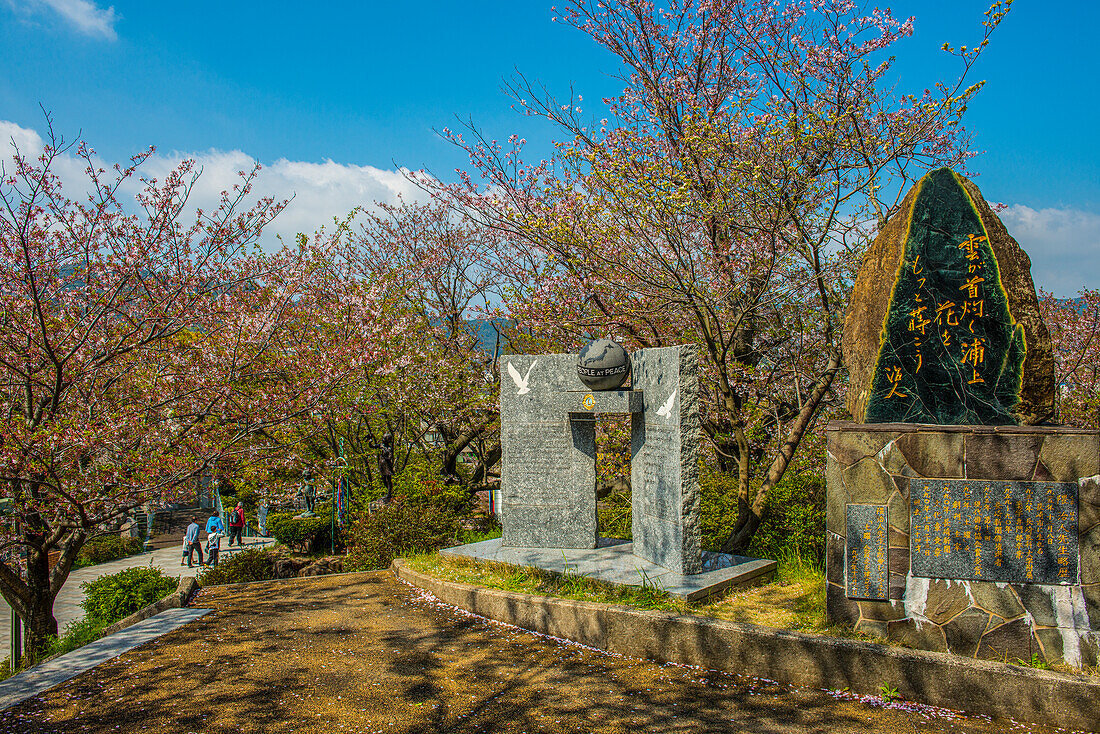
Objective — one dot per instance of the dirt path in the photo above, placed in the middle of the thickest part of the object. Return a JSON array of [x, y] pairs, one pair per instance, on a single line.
[[366, 653]]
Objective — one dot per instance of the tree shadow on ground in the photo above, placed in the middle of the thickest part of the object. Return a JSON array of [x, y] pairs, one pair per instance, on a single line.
[[365, 653]]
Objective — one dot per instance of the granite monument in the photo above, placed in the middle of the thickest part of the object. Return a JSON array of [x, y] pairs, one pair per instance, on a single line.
[[954, 522], [548, 470]]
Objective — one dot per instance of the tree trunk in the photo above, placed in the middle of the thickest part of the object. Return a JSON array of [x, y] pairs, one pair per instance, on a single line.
[[751, 515], [457, 442], [480, 478], [37, 616], [40, 626]]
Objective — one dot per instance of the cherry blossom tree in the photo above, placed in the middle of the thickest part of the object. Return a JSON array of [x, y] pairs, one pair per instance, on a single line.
[[724, 200], [1074, 325], [137, 346], [428, 380]]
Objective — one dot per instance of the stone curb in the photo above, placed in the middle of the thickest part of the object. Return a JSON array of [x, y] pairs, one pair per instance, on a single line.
[[995, 689], [176, 600]]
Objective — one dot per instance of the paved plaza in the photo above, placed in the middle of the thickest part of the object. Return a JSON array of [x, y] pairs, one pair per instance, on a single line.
[[368, 653]]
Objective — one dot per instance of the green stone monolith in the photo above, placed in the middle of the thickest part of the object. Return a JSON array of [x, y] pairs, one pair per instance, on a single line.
[[933, 335]]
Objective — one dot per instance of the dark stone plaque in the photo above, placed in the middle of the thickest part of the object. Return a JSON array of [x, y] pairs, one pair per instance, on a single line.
[[867, 570], [1020, 532], [951, 352]]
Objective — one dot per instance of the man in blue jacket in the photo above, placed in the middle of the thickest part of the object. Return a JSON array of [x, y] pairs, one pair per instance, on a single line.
[[193, 544]]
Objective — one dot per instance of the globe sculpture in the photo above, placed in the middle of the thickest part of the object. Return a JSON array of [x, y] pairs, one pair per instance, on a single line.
[[603, 365]]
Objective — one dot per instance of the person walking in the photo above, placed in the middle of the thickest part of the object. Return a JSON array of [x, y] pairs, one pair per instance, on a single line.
[[214, 524], [236, 524], [193, 544], [215, 529]]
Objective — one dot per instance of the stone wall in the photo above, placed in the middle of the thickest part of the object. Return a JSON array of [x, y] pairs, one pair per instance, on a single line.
[[873, 464]]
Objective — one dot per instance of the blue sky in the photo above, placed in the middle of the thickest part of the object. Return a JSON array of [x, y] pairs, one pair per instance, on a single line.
[[331, 98]]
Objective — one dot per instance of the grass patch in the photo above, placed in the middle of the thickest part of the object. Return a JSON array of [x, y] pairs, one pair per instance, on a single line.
[[476, 536], [529, 580], [794, 600]]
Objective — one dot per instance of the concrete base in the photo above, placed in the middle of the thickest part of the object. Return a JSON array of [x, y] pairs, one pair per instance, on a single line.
[[793, 658], [614, 562]]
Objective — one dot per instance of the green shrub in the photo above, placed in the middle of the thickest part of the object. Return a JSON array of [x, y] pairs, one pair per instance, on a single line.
[[304, 534], [794, 520], [717, 506], [76, 634], [247, 565], [400, 529], [115, 596], [793, 524], [107, 548], [420, 483]]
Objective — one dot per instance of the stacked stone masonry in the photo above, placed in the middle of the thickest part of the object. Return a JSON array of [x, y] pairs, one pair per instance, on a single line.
[[872, 464]]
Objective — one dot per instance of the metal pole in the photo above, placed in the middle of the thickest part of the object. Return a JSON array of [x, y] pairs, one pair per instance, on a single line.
[[16, 641], [16, 636]]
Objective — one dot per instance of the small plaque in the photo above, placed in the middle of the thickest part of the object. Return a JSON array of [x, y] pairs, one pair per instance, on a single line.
[[1019, 532], [866, 567]]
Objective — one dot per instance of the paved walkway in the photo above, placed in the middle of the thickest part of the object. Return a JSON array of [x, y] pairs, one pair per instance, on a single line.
[[43, 677], [367, 653], [67, 609]]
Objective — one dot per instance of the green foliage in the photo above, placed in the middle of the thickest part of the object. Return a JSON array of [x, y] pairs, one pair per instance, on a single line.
[[247, 565], [888, 692], [399, 529], [305, 534], [107, 548], [420, 483], [77, 634], [614, 516], [115, 596], [793, 526], [1036, 662], [794, 520], [476, 536], [717, 506]]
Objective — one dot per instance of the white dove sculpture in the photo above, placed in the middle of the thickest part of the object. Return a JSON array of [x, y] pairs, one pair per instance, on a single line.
[[521, 382], [665, 410]]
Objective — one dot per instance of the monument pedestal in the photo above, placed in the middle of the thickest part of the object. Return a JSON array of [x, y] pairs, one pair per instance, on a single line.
[[978, 540], [615, 562]]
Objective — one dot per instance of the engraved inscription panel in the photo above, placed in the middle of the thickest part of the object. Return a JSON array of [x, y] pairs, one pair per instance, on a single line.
[[657, 496], [868, 570], [537, 465], [1020, 532]]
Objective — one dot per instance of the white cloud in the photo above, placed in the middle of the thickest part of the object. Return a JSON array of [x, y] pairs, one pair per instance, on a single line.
[[85, 16], [1064, 246], [25, 140], [319, 192]]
